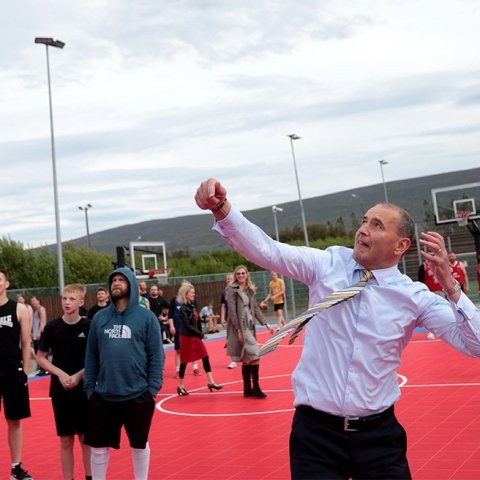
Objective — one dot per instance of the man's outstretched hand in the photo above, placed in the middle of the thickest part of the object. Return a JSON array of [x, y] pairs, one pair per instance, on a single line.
[[210, 194]]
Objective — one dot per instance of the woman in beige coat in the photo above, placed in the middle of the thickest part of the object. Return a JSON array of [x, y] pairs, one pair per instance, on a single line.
[[242, 344]]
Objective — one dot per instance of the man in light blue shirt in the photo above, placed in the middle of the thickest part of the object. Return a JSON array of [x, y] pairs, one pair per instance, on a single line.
[[345, 383], [207, 316]]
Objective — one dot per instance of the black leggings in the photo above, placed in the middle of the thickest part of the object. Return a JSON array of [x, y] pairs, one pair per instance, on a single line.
[[206, 367]]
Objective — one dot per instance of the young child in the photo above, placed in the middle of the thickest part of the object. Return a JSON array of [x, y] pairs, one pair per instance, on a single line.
[[66, 338]]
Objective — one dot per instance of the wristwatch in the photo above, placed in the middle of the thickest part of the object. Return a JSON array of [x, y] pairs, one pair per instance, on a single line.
[[451, 291], [221, 210]]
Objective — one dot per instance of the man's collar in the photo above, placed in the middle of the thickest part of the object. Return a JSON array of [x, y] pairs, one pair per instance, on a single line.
[[383, 276]]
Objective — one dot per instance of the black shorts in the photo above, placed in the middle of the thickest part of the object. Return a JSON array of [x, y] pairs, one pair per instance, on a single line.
[[70, 413], [106, 418], [14, 392], [278, 306]]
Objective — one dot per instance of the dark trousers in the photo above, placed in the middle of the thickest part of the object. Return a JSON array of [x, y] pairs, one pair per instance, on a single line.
[[321, 449]]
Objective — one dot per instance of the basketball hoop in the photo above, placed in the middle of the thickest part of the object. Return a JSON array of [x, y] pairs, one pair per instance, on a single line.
[[462, 218], [156, 272]]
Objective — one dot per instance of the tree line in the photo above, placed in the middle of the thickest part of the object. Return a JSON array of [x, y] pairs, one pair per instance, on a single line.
[[36, 268]]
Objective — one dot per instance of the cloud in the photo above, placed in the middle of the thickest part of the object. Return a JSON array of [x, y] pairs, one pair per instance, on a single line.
[[152, 97]]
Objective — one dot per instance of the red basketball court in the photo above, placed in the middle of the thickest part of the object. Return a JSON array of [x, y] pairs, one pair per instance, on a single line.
[[222, 435]]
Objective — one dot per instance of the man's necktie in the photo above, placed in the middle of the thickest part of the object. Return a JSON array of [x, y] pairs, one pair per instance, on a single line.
[[298, 323]]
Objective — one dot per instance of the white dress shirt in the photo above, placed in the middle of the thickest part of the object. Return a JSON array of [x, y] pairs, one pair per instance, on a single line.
[[351, 352]]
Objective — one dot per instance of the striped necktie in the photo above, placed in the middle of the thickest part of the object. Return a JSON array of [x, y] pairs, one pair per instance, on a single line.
[[297, 324]]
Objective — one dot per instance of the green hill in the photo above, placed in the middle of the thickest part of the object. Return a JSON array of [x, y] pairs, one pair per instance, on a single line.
[[193, 232]]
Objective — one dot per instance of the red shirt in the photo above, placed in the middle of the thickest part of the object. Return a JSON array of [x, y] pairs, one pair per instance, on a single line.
[[430, 280], [458, 272]]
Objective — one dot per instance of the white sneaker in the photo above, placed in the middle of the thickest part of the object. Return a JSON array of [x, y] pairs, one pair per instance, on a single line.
[[430, 336], [232, 365]]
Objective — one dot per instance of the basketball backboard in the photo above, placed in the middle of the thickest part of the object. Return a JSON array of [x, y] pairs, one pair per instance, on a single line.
[[148, 259], [449, 202]]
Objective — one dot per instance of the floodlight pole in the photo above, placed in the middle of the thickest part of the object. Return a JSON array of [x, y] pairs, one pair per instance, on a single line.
[[86, 208], [58, 44], [293, 137], [382, 163], [276, 209]]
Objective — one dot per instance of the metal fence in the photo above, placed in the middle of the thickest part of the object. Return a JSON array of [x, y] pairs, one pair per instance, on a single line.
[[209, 288]]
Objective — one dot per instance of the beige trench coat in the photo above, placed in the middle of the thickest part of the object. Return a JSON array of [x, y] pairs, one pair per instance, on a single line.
[[243, 310]]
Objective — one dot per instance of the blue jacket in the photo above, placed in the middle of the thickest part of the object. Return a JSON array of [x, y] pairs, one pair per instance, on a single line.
[[125, 354]]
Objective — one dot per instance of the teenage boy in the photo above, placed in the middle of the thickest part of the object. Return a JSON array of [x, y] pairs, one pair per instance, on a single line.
[[66, 338], [276, 293], [14, 368]]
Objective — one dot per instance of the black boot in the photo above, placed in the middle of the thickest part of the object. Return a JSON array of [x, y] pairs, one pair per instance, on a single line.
[[256, 391], [247, 386]]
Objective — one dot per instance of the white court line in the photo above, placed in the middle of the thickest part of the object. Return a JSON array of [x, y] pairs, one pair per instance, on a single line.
[[240, 414], [161, 408], [197, 392], [160, 405], [430, 385]]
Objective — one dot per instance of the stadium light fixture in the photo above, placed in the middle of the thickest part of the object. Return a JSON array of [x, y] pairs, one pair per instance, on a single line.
[[50, 42], [86, 208], [294, 136]]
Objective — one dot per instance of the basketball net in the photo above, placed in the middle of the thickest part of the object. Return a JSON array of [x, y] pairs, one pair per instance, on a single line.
[[462, 218], [152, 273]]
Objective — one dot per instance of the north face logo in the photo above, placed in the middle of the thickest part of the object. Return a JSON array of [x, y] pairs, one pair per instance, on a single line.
[[118, 331]]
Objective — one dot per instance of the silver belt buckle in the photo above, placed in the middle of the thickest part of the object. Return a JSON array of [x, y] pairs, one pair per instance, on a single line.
[[346, 424]]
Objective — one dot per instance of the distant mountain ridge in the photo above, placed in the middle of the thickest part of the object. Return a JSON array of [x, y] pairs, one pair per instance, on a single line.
[[193, 232]]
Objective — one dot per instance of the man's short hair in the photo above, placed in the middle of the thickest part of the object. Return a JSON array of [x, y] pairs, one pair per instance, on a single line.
[[75, 288], [102, 289], [406, 224]]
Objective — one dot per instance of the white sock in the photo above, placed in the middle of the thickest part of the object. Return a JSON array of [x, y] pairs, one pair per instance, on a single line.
[[195, 365], [141, 462], [99, 463]]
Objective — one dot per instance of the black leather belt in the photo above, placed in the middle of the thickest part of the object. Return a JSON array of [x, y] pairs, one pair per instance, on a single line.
[[348, 424]]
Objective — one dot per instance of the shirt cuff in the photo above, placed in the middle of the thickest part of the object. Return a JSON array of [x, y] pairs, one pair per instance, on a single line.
[[229, 224], [465, 306]]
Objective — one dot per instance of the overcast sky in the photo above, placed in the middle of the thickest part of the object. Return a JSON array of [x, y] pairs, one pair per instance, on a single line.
[[151, 97]]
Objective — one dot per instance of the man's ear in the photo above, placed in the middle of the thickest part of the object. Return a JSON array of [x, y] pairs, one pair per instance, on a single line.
[[403, 244]]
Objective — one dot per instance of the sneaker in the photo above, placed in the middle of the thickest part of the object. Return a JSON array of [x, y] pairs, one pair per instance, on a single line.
[[232, 365], [18, 473], [197, 372], [430, 336]]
